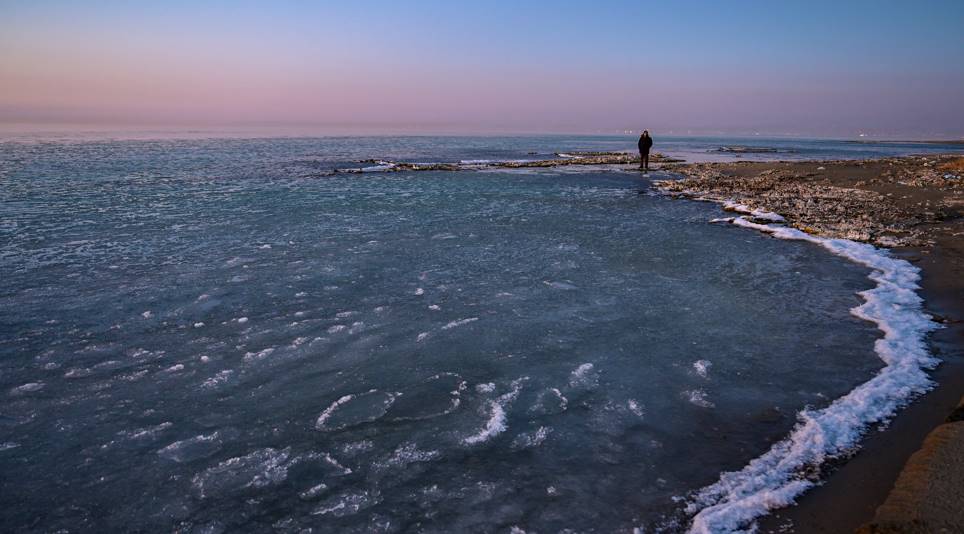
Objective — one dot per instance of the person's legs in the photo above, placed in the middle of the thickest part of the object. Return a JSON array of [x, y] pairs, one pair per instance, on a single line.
[[645, 161], [642, 155]]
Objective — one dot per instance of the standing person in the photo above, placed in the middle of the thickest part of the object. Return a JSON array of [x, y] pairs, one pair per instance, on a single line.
[[645, 143]]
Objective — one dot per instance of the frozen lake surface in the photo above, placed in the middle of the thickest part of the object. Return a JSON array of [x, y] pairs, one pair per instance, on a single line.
[[199, 334]]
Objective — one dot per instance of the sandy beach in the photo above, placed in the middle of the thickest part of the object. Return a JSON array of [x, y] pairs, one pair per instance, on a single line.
[[914, 206]]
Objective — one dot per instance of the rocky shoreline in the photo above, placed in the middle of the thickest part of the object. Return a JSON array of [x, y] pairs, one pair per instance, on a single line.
[[888, 202], [563, 159]]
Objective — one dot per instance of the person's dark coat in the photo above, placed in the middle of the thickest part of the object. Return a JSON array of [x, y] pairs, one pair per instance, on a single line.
[[645, 143]]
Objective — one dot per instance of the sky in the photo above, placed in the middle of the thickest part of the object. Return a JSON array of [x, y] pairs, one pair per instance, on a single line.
[[885, 68]]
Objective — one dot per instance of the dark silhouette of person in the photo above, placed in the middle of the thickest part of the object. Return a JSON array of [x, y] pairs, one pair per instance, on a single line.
[[645, 143]]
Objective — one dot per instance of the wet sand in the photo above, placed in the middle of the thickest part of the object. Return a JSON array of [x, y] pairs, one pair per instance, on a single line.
[[915, 206]]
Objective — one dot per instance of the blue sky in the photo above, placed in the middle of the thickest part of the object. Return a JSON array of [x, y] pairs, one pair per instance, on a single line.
[[817, 68]]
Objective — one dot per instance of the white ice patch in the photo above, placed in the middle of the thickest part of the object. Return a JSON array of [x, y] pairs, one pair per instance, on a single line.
[[345, 504], [697, 397], [404, 455], [493, 427], [584, 376], [635, 408], [146, 433], [217, 379], [356, 447], [77, 373], [440, 394], [192, 449], [496, 423], [355, 409], [528, 440], [29, 387], [702, 368], [460, 322], [776, 478], [313, 491], [488, 387], [381, 167], [261, 354], [756, 214], [261, 468], [548, 402], [566, 286]]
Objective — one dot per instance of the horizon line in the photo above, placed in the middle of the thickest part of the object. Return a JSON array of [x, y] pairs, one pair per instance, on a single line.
[[315, 129]]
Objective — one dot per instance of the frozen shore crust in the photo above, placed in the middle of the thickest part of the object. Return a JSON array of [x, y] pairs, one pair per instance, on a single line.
[[774, 479]]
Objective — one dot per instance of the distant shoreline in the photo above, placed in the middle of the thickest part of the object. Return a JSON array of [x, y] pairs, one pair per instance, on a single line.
[[899, 142]]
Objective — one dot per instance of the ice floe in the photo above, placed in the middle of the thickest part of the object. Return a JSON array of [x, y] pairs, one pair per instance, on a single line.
[[528, 440], [263, 467], [191, 449], [355, 409], [584, 377], [702, 368], [697, 397], [29, 387], [438, 395]]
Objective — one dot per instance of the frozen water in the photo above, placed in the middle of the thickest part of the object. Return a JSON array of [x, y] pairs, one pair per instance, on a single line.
[[777, 477], [420, 350]]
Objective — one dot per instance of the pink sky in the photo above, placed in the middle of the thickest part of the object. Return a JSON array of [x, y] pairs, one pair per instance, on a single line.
[[165, 67]]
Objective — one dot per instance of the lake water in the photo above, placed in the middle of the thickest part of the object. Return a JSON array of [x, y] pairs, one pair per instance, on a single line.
[[215, 335]]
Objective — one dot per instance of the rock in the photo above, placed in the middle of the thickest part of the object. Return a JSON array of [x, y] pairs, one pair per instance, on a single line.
[[821, 207], [928, 493], [957, 414]]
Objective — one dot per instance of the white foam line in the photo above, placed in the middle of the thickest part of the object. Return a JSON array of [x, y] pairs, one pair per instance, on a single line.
[[758, 214], [776, 479]]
